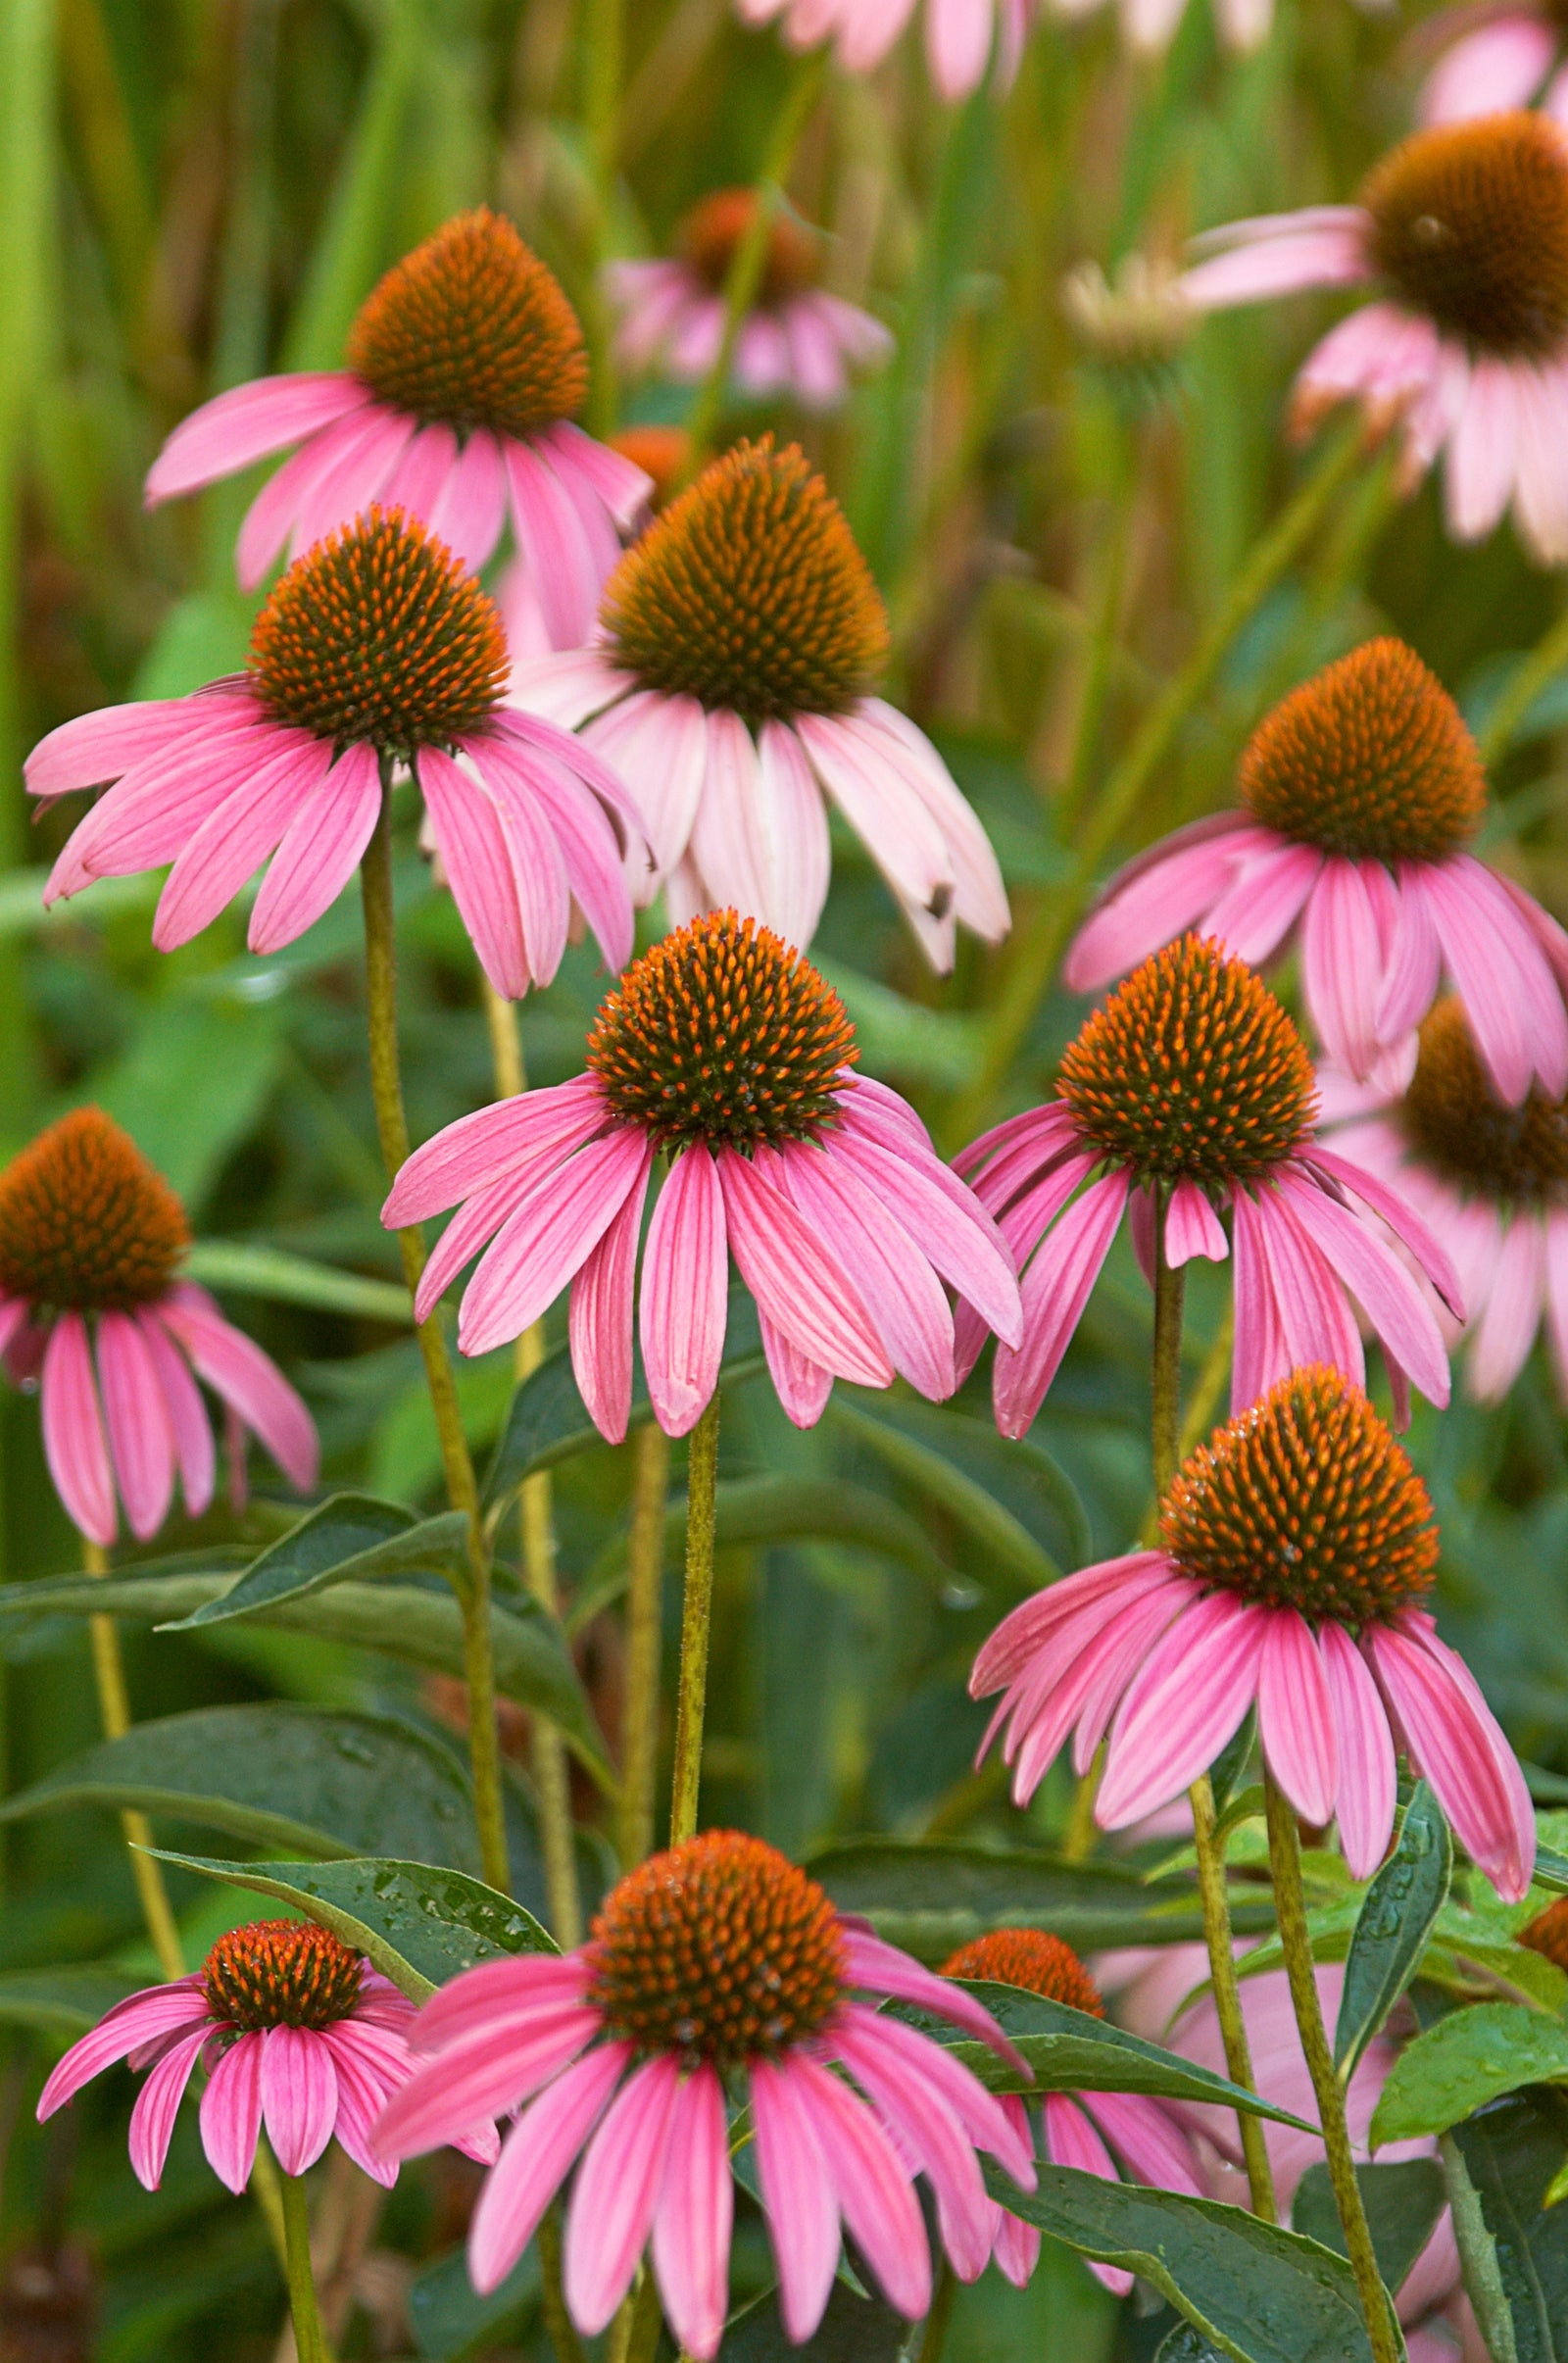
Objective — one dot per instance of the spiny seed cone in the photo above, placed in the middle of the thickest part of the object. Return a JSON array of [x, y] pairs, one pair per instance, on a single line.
[[1469, 225], [749, 593], [723, 1034], [1455, 1121], [281, 1972], [1304, 1500], [719, 1948], [87, 1222], [378, 635], [1031, 1958], [1548, 1932], [1370, 759], [715, 226], [472, 329], [1192, 1070]]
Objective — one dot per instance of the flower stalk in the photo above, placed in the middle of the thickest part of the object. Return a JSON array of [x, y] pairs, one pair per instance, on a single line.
[[114, 1708], [702, 1483], [310, 2340], [645, 1569]]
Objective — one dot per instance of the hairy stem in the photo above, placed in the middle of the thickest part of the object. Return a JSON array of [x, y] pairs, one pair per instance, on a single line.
[[644, 1572], [463, 1490], [310, 2339], [1227, 1992], [114, 1708], [1285, 1862], [691, 1699]]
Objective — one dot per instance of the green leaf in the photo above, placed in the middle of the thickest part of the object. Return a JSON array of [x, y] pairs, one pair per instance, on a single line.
[[204, 636], [420, 1925], [1514, 2249], [282, 1279], [1005, 1541], [1552, 1869], [1396, 1917], [1257, 2294], [192, 1086], [63, 2001], [901, 1037], [931, 1898], [1465, 2061], [324, 1784], [352, 1538], [853, 2330], [1403, 2203], [449, 2318]]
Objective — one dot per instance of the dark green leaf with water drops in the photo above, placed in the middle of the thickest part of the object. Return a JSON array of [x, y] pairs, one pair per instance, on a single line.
[[1500, 2164], [351, 1539], [1396, 1917], [1403, 2203], [1465, 2061]]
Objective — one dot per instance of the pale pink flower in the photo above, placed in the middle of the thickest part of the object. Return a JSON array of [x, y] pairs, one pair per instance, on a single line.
[[466, 368], [730, 685], [715, 1968], [1091, 2130], [1462, 233], [724, 1048], [1491, 59], [376, 651], [961, 35], [1360, 793], [1491, 1182], [93, 1311], [294, 2031], [1294, 1549], [1193, 1087], [796, 339]]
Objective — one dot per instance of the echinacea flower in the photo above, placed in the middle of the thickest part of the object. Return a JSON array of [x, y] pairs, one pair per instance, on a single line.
[[466, 368], [796, 338], [1462, 233], [723, 1049], [730, 684], [716, 1972], [294, 2029], [93, 1309], [1149, 2138], [1294, 1549], [1361, 791], [375, 650], [1193, 1087], [1491, 59], [1489, 1181], [959, 34]]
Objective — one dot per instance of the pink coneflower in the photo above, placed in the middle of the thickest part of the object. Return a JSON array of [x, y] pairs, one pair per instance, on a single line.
[[467, 366], [959, 34], [1489, 1181], [1490, 59], [1464, 231], [715, 1969], [1191, 1086], [723, 1049], [730, 685], [374, 651], [1149, 2138], [796, 339], [91, 1240], [1361, 791], [1294, 1549]]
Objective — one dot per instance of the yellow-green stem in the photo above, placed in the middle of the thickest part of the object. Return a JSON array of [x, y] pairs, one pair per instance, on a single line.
[[646, 2322], [114, 1708], [1227, 1992], [691, 1699], [310, 2340], [1285, 1863], [645, 1573], [935, 2335], [463, 1490], [552, 2303], [603, 61]]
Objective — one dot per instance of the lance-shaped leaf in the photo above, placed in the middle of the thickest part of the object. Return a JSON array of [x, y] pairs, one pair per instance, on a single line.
[[1551, 1868], [853, 2330], [1397, 1915], [1500, 2165], [63, 2001], [1403, 2203], [913, 1448], [449, 2318], [1468, 2058], [253, 1270], [351, 1539]]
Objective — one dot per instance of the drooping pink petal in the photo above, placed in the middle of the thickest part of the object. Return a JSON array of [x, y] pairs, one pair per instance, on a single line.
[[470, 507], [1017, 2248], [980, 899], [140, 1437], [728, 841], [318, 852], [247, 1379], [231, 2113], [884, 1969], [874, 2193], [694, 2216], [553, 545], [1155, 898], [1311, 1315], [1295, 1721], [622, 487], [153, 809], [558, 1221], [491, 1141], [890, 818], [1396, 1210], [247, 423], [157, 2014], [1480, 472], [1105, 1670], [600, 1322], [1282, 264], [658, 746], [152, 2120], [1024, 1629], [370, 2063], [500, 1996], [1458, 1747], [1342, 965], [235, 839], [798, 1278], [1056, 1289], [683, 1303], [989, 2122], [1367, 1770], [797, 2194], [497, 2066], [1500, 1342], [298, 2095], [1394, 1303], [475, 1223], [1148, 2139], [539, 877], [1192, 1228], [476, 858], [897, 1285], [73, 1441], [795, 831], [94, 748], [1497, 67], [597, 831], [803, 1387], [1268, 890], [930, 2132], [616, 2192], [1181, 1707], [1519, 1030], [535, 2159], [1557, 1294], [189, 1426], [346, 487], [1072, 2140], [945, 1219]]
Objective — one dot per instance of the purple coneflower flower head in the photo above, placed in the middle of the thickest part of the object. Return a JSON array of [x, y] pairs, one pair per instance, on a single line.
[[294, 2031], [1491, 59], [796, 339], [467, 366], [1091, 2130], [1491, 1183], [92, 1307], [717, 1973], [1295, 1550], [731, 684], [1360, 793], [723, 1049], [1193, 1087], [959, 34], [376, 649], [1462, 233]]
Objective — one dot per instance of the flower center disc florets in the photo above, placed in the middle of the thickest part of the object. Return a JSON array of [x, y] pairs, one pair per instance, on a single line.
[[86, 1221], [1032, 1958], [715, 226], [472, 329], [721, 1948], [1190, 1070], [722, 1033], [1304, 1500], [749, 593], [281, 1972], [1455, 1121], [1470, 226], [1370, 759], [378, 635]]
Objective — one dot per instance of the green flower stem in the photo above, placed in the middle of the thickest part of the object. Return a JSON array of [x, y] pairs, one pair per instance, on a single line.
[[310, 2340], [1534, 673], [1285, 1862], [463, 1490], [645, 1569], [602, 66], [702, 1479], [114, 1708], [552, 2303], [647, 2320], [935, 2335]]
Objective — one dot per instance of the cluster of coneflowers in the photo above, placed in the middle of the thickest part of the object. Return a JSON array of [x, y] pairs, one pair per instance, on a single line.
[[707, 693]]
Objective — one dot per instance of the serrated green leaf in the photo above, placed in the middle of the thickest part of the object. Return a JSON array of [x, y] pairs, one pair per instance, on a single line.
[[1465, 2061], [1403, 2203], [351, 1538], [1398, 1914]]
